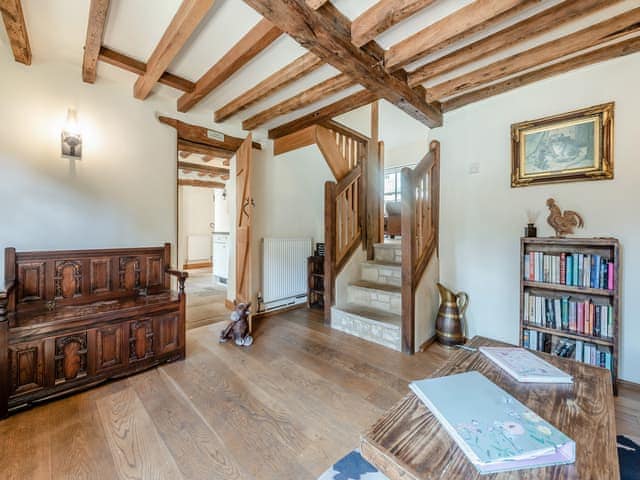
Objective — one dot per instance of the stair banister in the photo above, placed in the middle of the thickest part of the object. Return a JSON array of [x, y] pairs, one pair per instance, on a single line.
[[420, 217]]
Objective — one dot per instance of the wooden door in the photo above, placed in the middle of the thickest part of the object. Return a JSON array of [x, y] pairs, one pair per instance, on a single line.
[[244, 207]]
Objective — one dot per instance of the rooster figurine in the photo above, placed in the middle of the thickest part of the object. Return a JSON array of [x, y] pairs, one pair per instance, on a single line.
[[563, 223]]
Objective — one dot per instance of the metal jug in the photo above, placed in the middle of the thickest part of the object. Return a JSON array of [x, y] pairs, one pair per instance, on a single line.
[[450, 321]]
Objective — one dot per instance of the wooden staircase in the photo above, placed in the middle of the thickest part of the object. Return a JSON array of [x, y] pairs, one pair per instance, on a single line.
[[380, 305]]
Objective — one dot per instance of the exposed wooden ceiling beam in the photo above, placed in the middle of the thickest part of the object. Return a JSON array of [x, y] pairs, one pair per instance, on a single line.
[[200, 183], [314, 94], [295, 140], [609, 52], [460, 24], [277, 81], [201, 149], [14, 23], [135, 66], [203, 135], [206, 169], [591, 36], [254, 42], [184, 23], [529, 28], [347, 104], [98, 11], [316, 4], [327, 33], [382, 16]]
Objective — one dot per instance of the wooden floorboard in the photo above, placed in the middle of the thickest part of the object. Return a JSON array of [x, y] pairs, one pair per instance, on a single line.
[[285, 408], [133, 441]]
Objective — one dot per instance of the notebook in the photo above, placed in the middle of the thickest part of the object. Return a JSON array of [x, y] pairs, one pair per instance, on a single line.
[[495, 431], [525, 366]]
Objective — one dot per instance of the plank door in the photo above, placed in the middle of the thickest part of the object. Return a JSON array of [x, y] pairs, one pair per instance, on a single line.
[[244, 206]]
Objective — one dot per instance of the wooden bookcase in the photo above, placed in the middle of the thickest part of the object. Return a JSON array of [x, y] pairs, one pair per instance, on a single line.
[[605, 247], [315, 282]]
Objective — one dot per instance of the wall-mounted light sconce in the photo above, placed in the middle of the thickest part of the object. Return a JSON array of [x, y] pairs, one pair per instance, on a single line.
[[71, 137]]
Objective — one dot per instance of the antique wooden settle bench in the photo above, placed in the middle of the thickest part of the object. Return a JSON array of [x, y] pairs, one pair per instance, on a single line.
[[70, 320]]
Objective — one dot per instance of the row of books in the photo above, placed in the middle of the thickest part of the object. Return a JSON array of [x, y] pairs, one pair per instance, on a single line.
[[572, 269], [564, 313], [581, 351]]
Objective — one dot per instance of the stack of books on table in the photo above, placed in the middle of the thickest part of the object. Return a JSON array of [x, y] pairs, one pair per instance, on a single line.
[[494, 430]]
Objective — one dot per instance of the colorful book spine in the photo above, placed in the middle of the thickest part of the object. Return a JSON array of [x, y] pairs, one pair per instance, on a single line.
[[580, 326], [610, 276], [532, 259], [563, 268], [564, 323], [579, 269]]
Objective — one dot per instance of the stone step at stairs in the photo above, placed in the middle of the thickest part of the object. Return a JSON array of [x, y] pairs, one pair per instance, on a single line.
[[387, 298], [374, 303], [390, 252], [369, 324]]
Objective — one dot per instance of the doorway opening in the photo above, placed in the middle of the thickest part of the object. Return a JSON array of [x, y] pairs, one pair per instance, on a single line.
[[204, 226]]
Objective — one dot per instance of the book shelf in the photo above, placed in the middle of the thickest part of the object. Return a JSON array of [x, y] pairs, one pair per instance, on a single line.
[[566, 309], [315, 282]]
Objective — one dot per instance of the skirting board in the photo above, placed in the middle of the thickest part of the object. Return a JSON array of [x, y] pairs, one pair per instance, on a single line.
[[427, 343], [278, 311], [189, 266], [627, 384]]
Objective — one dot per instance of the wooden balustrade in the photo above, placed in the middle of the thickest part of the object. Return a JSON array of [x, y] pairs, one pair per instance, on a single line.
[[352, 144], [344, 207], [420, 217]]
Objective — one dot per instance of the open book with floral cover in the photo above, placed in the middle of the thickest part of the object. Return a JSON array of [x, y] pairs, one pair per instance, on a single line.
[[525, 366], [495, 431]]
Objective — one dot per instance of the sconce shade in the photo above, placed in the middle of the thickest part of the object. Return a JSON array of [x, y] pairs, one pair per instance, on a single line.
[[71, 125]]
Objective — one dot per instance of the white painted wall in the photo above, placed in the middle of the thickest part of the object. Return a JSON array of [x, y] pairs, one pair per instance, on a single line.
[[123, 191], [482, 217], [222, 210], [408, 154], [427, 303]]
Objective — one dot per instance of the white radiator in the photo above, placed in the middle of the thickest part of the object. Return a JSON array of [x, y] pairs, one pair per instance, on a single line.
[[198, 248], [284, 268]]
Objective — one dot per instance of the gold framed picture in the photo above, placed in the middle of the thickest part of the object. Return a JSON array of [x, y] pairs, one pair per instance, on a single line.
[[571, 147]]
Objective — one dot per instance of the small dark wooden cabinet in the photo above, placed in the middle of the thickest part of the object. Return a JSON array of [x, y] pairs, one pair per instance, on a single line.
[[72, 319], [315, 282]]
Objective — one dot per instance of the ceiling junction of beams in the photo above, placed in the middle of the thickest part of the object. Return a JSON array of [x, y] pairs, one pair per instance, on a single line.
[[494, 26]]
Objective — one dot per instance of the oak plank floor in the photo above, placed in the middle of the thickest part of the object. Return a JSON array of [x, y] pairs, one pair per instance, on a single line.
[[285, 408]]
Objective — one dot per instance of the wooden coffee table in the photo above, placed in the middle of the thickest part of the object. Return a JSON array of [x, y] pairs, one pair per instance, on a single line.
[[408, 443]]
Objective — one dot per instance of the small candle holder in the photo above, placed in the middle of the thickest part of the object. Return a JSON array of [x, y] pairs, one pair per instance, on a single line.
[[530, 230]]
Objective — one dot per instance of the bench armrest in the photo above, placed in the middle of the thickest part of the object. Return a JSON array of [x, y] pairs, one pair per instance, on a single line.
[[4, 299], [8, 288], [180, 275]]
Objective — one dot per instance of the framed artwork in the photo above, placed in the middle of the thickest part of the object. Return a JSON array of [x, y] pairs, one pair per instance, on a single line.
[[570, 147]]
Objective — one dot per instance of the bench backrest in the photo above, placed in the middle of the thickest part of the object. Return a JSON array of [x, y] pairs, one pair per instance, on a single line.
[[83, 276]]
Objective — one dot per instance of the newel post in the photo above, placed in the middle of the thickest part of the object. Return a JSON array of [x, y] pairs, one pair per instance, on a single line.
[[408, 228], [329, 247]]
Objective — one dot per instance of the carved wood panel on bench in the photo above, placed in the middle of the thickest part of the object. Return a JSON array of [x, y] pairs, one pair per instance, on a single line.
[[72, 319]]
